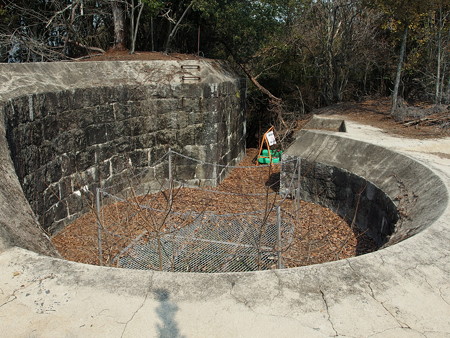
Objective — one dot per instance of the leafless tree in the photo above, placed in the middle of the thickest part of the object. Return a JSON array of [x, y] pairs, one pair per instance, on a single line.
[[118, 11], [53, 30], [176, 25], [135, 7]]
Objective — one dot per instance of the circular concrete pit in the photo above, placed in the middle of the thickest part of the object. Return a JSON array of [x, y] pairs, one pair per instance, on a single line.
[[402, 289]]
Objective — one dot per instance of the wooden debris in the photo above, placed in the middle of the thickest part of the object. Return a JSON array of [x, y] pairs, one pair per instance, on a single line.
[[429, 120]]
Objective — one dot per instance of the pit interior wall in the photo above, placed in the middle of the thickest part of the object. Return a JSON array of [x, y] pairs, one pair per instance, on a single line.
[[357, 200], [65, 144], [384, 192]]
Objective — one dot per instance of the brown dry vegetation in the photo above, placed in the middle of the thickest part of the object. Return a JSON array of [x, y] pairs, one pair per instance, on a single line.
[[376, 113], [124, 55], [319, 236]]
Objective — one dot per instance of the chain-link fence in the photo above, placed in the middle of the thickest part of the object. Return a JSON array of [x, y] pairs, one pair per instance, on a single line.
[[167, 219]]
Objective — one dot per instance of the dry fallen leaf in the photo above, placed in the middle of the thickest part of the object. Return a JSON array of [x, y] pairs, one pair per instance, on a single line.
[[319, 234]]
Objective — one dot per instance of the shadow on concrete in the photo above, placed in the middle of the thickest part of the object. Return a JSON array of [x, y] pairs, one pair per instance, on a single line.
[[166, 311], [364, 244]]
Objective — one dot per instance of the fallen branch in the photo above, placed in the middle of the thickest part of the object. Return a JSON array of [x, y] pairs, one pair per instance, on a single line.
[[95, 49], [84, 57], [427, 121]]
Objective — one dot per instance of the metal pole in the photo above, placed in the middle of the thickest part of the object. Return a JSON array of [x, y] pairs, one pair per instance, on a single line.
[[216, 181], [198, 41], [297, 192], [279, 265], [99, 227], [170, 178]]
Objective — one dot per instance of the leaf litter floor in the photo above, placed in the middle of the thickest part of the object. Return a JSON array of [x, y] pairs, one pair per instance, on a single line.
[[319, 234]]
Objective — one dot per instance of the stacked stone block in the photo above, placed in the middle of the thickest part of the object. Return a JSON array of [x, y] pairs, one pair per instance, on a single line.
[[66, 144]]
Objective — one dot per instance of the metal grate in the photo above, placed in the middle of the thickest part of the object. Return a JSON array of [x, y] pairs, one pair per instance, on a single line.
[[212, 243]]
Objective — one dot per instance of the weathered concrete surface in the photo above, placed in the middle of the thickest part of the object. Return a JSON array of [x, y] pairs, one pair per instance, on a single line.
[[326, 124], [360, 202], [18, 225], [360, 181], [81, 126], [400, 291]]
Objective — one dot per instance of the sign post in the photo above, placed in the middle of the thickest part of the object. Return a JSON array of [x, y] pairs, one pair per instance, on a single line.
[[268, 140]]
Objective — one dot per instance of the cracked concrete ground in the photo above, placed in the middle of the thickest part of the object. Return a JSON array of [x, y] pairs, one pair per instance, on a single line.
[[400, 291]]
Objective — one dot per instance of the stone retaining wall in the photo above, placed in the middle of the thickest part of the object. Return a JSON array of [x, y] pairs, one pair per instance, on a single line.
[[66, 143]]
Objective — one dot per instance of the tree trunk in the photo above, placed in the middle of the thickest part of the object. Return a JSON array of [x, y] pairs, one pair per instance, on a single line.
[[330, 74], [152, 34], [399, 71], [175, 29], [135, 24], [119, 25], [440, 56], [132, 26], [437, 94]]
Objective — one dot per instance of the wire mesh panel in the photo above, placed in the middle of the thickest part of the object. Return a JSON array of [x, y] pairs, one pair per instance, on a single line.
[[160, 222], [165, 217], [211, 243]]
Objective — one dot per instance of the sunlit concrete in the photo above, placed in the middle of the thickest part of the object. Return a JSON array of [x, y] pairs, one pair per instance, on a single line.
[[400, 291]]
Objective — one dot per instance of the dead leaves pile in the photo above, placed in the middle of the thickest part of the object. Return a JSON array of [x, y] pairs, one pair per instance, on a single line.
[[319, 234]]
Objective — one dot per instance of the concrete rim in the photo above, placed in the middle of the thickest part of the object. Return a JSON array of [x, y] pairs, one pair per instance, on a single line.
[[402, 290]]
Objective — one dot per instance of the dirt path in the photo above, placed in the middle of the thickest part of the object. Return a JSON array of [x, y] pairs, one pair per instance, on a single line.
[[376, 113]]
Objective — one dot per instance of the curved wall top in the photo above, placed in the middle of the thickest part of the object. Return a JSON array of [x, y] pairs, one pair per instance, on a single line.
[[71, 126], [29, 78], [402, 290], [420, 195]]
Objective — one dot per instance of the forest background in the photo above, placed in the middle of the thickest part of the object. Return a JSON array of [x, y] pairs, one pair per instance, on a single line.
[[299, 54]]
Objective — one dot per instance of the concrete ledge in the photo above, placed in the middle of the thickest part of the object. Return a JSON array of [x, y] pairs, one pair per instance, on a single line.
[[419, 194], [330, 124], [400, 291]]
